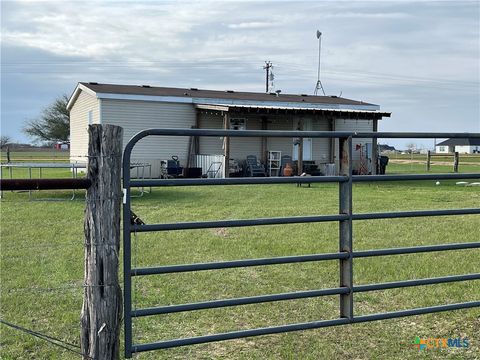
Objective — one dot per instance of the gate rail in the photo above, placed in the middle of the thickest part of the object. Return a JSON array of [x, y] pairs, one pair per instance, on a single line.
[[345, 255]]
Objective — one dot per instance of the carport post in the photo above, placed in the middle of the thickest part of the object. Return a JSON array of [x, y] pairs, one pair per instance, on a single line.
[[226, 144], [345, 227]]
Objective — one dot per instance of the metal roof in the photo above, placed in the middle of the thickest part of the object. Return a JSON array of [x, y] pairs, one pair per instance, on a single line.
[[339, 111], [460, 142]]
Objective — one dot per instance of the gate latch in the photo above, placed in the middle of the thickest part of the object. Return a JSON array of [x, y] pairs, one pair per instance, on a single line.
[[135, 220]]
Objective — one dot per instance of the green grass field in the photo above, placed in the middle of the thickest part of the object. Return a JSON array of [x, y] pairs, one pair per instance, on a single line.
[[42, 270], [43, 154]]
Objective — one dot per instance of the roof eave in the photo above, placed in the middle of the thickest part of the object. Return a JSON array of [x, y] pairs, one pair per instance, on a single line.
[[356, 112], [80, 87]]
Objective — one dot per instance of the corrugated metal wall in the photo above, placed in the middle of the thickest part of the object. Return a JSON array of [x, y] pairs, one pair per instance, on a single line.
[[212, 165]]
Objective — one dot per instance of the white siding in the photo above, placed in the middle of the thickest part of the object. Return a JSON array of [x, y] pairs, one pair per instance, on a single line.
[[354, 125], [85, 105], [239, 147], [285, 145], [321, 147], [466, 149], [135, 116], [211, 145], [442, 149]]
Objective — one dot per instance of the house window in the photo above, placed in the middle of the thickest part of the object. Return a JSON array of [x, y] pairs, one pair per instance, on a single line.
[[238, 124], [442, 148]]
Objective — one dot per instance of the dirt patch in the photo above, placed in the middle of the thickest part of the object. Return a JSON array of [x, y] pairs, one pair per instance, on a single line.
[[222, 232]]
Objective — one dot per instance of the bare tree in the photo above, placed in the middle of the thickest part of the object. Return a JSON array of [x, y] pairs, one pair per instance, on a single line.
[[411, 147], [4, 140]]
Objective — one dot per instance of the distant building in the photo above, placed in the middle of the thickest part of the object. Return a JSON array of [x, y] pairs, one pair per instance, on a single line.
[[384, 148], [462, 146], [62, 145]]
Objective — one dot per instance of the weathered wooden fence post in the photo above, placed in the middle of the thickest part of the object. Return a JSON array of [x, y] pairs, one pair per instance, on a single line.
[[102, 297], [455, 161], [429, 159]]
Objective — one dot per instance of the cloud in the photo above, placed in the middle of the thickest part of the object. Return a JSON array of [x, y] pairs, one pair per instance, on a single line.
[[251, 25], [374, 51], [368, 15]]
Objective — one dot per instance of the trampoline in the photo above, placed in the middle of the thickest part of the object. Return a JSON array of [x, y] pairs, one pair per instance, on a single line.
[[40, 166], [142, 170]]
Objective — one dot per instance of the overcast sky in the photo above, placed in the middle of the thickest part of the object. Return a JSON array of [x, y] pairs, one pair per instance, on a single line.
[[418, 60]]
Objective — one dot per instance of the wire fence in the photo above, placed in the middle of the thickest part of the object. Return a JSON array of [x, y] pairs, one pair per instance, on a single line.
[[41, 261]]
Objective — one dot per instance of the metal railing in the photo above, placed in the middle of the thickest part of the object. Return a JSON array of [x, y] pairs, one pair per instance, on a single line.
[[345, 255]]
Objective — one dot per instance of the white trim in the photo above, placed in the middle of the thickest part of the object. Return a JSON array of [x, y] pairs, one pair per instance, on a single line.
[[227, 108], [211, 107], [279, 105], [340, 109], [100, 111], [76, 93]]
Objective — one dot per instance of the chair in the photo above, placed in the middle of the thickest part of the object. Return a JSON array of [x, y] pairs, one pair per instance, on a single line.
[[286, 159], [254, 168]]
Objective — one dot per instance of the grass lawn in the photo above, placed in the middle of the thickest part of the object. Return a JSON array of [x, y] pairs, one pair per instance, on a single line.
[[42, 154], [42, 271]]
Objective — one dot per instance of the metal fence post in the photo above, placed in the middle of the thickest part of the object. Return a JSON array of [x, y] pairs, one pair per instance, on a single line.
[[127, 256], [345, 227]]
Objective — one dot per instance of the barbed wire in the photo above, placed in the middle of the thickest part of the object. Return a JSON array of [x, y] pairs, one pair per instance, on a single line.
[[50, 339]]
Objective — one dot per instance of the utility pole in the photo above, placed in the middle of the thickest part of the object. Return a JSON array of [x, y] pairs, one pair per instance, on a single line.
[[267, 67]]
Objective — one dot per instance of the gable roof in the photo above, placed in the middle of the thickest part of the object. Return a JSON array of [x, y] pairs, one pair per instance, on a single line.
[[232, 99], [216, 94], [460, 142]]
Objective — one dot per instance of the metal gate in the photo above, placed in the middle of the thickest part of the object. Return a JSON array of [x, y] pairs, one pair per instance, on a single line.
[[344, 256]]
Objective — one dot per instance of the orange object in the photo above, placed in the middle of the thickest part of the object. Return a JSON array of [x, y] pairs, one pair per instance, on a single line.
[[288, 170]]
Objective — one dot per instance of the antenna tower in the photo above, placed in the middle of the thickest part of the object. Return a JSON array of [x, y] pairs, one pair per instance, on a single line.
[[319, 82]]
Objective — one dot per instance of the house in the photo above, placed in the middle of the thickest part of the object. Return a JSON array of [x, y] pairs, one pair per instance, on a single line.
[[61, 145], [460, 145], [136, 108], [387, 149]]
